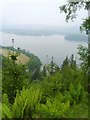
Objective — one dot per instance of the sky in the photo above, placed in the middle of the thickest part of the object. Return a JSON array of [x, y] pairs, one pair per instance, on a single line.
[[35, 12]]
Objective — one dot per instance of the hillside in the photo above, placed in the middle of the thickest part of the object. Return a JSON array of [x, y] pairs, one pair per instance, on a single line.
[[22, 58]]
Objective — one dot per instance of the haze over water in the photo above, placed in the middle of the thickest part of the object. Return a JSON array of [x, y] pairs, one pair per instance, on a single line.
[[41, 46]]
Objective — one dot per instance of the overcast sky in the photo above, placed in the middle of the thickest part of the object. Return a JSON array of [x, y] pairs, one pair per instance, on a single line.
[[27, 12]]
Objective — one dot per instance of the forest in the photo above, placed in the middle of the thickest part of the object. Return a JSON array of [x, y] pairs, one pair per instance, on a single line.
[[53, 92]]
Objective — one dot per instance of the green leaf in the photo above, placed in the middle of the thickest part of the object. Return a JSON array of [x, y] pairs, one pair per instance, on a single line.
[[6, 112]]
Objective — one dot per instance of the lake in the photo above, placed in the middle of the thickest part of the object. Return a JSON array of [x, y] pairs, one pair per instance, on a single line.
[[41, 46]]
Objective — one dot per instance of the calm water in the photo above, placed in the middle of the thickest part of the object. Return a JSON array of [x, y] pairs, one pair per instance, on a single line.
[[42, 46]]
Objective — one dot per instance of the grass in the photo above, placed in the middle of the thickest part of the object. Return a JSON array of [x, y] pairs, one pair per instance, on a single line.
[[21, 59]]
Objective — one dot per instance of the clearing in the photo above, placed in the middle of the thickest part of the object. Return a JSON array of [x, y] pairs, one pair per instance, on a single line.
[[22, 58]]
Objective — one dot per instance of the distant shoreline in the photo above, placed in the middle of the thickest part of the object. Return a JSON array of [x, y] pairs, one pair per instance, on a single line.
[[70, 37]]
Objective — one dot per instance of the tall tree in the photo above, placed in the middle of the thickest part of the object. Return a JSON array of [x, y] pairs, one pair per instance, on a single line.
[[65, 63]]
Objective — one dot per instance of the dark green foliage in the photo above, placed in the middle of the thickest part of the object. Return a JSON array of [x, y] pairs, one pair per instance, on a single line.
[[85, 25], [13, 75], [0, 60], [33, 64], [59, 95], [45, 99], [44, 71], [69, 63], [72, 62], [65, 63], [36, 75]]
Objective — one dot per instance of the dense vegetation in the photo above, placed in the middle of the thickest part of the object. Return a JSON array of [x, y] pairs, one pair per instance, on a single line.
[[29, 92]]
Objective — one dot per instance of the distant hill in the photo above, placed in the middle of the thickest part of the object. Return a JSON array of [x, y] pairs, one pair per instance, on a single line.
[[37, 30], [71, 33], [76, 37], [22, 58]]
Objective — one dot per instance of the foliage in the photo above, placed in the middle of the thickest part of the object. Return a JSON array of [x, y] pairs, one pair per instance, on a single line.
[[34, 62], [24, 105], [53, 108], [6, 113], [78, 111], [53, 84], [71, 8], [69, 62], [60, 95], [48, 99], [83, 52], [13, 76], [28, 104], [85, 25], [36, 75]]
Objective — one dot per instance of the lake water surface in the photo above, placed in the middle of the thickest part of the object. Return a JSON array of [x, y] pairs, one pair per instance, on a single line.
[[54, 45]]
